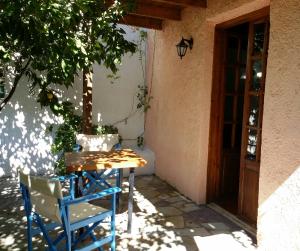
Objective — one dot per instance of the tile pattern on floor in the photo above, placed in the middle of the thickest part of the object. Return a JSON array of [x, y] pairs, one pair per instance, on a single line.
[[163, 220]]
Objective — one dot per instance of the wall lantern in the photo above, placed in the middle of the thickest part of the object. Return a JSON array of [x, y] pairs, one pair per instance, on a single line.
[[183, 45]]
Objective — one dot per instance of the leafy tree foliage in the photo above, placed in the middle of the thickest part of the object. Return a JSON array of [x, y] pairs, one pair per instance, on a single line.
[[51, 41]]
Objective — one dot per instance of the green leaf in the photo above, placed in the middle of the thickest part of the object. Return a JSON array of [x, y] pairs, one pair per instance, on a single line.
[[63, 65]]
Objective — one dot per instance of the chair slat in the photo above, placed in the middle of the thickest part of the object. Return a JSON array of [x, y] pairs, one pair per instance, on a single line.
[[104, 142]]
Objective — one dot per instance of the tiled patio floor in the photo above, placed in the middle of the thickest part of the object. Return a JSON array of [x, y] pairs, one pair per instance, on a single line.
[[163, 220]]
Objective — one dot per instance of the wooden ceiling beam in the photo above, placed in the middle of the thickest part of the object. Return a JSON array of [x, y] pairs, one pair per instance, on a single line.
[[146, 22], [155, 11], [195, 3], [151, 13]]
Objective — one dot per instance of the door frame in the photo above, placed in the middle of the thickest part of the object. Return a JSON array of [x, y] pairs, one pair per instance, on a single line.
[[217, 106]]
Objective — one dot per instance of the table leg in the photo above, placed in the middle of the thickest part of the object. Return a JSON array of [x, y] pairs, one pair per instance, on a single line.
[[78, 193], [77, 189], [130, 199]]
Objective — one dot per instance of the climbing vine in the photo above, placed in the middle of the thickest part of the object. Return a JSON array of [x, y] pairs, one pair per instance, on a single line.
[[143, 95], [65, 133]]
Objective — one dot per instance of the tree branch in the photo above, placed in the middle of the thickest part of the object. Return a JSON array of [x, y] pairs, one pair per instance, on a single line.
[[15, 84]]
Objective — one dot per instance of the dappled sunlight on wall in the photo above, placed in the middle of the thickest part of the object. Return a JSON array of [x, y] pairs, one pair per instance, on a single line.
[[24, 141]]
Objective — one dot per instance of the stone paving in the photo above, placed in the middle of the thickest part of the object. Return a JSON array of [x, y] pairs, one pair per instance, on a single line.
[[163, 220]]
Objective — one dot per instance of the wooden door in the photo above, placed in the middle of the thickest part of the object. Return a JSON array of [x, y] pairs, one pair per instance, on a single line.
[[233, 101], [253, 118]]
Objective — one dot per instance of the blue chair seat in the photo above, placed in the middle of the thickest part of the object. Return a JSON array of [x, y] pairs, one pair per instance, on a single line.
[[43, 198]]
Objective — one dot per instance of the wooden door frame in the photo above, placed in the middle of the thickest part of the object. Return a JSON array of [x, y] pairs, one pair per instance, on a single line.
[[217, 106]]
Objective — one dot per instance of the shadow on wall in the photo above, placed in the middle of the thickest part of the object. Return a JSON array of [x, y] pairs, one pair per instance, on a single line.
[[24, 140]]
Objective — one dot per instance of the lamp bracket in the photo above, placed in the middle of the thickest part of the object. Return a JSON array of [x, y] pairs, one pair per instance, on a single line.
[[189, 41]]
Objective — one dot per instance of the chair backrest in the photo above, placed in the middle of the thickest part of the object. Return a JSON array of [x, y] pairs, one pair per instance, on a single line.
[[44, 194], [103, 142]]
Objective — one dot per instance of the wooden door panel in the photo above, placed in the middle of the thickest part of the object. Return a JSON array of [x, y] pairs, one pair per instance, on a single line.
[[232, 116], [230, 175], [249, 210], [249, 165], [252, 118]]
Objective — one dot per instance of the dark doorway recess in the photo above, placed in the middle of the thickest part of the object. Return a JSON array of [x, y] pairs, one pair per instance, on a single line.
[[233, 102]]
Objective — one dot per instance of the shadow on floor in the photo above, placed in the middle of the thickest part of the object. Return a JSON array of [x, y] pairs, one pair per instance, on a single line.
[[163, 220]]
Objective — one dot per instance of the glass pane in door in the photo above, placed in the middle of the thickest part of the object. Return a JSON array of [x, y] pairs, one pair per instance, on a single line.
[[256, 75], [232, 51], [227, 132], [259, 36], [243, 53], [228, 108], [230, 79], [240, 109], [238, 135], [254, 110], [252, 143], [242, 80]]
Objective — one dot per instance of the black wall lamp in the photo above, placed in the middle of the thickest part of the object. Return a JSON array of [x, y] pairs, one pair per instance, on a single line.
[[183, 45]]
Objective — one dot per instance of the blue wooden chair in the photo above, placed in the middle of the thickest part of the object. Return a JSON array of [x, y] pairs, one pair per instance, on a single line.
[[99, 180], [43, 198]]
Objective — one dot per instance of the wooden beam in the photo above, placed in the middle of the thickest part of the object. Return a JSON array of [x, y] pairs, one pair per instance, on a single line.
[[146, 22], [195, 3], [155, 11]]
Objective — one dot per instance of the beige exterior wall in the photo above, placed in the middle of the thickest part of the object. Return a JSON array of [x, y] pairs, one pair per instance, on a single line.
[[177, 125], [279, 193], [178, 121]]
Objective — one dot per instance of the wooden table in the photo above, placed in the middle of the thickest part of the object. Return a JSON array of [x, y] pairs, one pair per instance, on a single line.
[[98, 160]]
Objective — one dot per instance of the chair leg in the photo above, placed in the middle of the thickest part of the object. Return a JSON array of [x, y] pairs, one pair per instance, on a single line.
[[113, 244], [112, 226], [119, 177], [68, 236], [68, 241], [95, 239], [38, 220], [29, 232], [73, 236], [67, 232]]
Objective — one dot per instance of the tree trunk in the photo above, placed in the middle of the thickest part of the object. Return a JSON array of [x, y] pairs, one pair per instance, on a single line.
[[87, 101]]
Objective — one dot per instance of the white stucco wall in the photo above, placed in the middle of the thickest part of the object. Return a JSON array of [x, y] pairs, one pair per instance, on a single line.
[[23, 140], [113, 102]]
